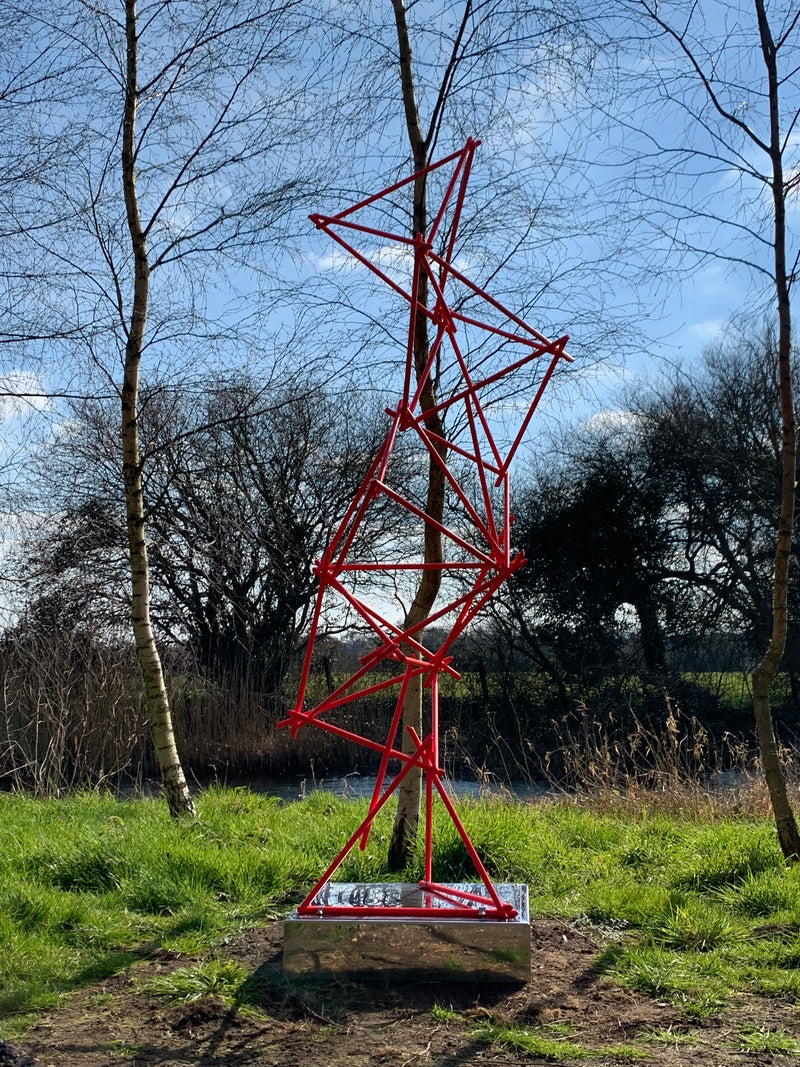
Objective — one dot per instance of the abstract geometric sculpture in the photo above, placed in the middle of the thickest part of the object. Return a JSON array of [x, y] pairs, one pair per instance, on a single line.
[[478, 351]]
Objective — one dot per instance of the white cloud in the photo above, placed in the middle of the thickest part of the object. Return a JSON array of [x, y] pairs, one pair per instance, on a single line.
[[612, 420], [706, 331], [395, 261], [21, 393]]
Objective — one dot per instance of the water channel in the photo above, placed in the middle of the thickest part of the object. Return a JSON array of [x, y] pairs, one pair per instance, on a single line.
[[297, 787]]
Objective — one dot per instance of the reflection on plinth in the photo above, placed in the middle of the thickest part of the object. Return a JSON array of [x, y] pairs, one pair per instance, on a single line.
[[432, 946]]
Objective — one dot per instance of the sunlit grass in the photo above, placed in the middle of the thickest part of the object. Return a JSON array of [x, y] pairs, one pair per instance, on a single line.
[[760, 1039], [695, 925], [691, 909], [669, 1037], [211, 978], [547, 1044]]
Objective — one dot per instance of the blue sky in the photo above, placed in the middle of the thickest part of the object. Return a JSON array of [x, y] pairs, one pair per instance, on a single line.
[[580, 149]]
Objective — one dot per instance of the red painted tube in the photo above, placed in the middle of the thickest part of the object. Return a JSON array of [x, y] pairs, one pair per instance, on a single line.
[[482, 547]]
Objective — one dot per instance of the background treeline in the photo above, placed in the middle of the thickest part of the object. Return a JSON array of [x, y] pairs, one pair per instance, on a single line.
[[185, 364], [645, 599]]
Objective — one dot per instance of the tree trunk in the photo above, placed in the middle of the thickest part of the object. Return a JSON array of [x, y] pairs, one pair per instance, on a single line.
[[410, 791], [765, 672], [651, 636], [172, 777]]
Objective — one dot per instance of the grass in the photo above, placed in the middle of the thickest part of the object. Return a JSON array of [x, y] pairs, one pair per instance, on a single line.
[[760, 1039], [669, 1037], [123, 1050], [696, 906], [549, 1045], [209, 978], [693, 924]]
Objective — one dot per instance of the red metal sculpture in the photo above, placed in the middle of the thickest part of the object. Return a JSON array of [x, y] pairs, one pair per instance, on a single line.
[[479, 549]]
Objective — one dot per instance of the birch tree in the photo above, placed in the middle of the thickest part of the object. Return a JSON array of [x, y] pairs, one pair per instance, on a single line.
[[183, 113], [723, 82], [239, 41]]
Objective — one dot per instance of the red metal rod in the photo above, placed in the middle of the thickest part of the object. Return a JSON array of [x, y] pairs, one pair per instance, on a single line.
[[469, 611], [487, 511], [452, 892], [388, 567], [428, 827], [325, 222], [377, 622], [406, 181], [398, 713], [489, 380], [343, 911], [531, 410], [451, 446], [415, 760], [489, 299], [473, 855], [482, 467], [361, 494], [368, 263], [462, 192], [452, 481], [475, 605], [441, 612], [451, 534], [424, 375], [309, 652], [447, 196], [348, 735], [435, 717], [412, 325]]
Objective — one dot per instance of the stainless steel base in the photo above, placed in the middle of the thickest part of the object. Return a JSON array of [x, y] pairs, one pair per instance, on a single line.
[[435, 949]]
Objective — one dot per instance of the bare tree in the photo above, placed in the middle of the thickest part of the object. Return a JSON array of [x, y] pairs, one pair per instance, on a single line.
[[172, 776], [244, 498], [668, 509], [242, 488], [410, 791], [715, 111], [182, 112], [477, 65]]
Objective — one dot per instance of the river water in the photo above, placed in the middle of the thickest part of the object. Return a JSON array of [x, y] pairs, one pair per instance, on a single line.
[[356, 785], [297, 787]]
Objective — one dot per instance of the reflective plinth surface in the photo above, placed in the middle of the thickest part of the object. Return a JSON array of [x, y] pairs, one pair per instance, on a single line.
[[433, 949]]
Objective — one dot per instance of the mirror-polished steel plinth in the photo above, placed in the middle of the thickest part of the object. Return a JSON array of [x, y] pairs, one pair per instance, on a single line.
[[427, 949]]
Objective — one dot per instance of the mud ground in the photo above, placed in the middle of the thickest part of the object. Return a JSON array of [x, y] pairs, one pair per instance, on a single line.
[[113, 1023]]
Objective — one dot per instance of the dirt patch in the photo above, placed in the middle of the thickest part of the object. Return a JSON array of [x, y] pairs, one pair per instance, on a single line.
[[402, 1024]]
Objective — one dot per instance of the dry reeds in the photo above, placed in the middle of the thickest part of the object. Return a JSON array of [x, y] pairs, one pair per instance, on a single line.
[[608, 761]]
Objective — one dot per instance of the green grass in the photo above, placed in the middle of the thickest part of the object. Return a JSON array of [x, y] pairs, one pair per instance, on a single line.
[[124, 1050], [210, 978], [692, 924], [760, 1039], [669, 1037], [549, 1045], [733, 688], [698, 908]]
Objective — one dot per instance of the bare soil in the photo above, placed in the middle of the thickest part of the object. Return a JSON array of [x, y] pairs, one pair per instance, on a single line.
[[359, 1024]]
